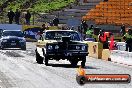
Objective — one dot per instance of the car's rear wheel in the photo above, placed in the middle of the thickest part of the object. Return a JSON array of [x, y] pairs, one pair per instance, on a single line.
[[83, 61], [39, 59]]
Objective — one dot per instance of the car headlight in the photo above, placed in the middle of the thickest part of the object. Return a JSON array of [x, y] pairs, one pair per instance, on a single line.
[[50, 47], [4, 40], [77, 47], [56, 47], [83, 47]]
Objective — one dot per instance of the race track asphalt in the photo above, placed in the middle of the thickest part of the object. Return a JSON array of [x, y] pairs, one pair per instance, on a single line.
[[18, 69]]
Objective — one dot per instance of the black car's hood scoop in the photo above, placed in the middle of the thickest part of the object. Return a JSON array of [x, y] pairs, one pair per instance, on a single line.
[[66, 38]]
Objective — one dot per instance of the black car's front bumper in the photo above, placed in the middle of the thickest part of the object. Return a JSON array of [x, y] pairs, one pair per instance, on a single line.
[[66, 54]]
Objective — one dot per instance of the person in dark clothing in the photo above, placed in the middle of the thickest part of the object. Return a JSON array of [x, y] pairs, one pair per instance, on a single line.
[[92, 27], [122, 31], [43, 29], [77, 2], [17, 16], [79, 29], [27, 17], [11, 15], [55, 21], [84, 26], [128, 39]]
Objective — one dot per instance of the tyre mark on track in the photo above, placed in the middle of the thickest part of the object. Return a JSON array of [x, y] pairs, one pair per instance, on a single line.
[[11, 53], [6, 81], [17, 55], [60, 74], [29, 52]]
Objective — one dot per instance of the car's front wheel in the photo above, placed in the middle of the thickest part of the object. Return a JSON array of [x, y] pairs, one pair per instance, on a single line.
[[74, 62], [39, 59], [83, 61]]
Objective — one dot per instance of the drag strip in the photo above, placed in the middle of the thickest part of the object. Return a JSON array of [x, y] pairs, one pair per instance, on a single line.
[[19, 69]]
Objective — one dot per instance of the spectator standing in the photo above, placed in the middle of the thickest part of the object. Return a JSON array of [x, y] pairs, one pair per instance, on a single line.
[[79, 29], [84, 27], [27, 17], [77, 2], [17, 16], [10, 15], [55, 21], [80, 32], [128, 39], [122, 31], [89, 32], [103, 39], [43, 29]]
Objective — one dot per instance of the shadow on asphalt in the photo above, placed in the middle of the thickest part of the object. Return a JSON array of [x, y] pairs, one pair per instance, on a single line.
[[90, 67], [11, 49], [69, 66], [62, 65]]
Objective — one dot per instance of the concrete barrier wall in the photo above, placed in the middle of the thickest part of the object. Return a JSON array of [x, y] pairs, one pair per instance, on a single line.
[[95, 49], [106, 54], [121, 46], [121, 57]]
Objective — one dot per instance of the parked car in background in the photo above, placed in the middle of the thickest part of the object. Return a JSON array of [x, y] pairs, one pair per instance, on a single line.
[[12, 39]]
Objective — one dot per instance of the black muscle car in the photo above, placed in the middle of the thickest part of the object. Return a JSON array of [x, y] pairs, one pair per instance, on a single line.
[[61, 44]]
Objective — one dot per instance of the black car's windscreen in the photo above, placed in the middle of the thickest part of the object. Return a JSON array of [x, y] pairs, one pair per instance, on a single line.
[[13, 33], [56, 35]]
